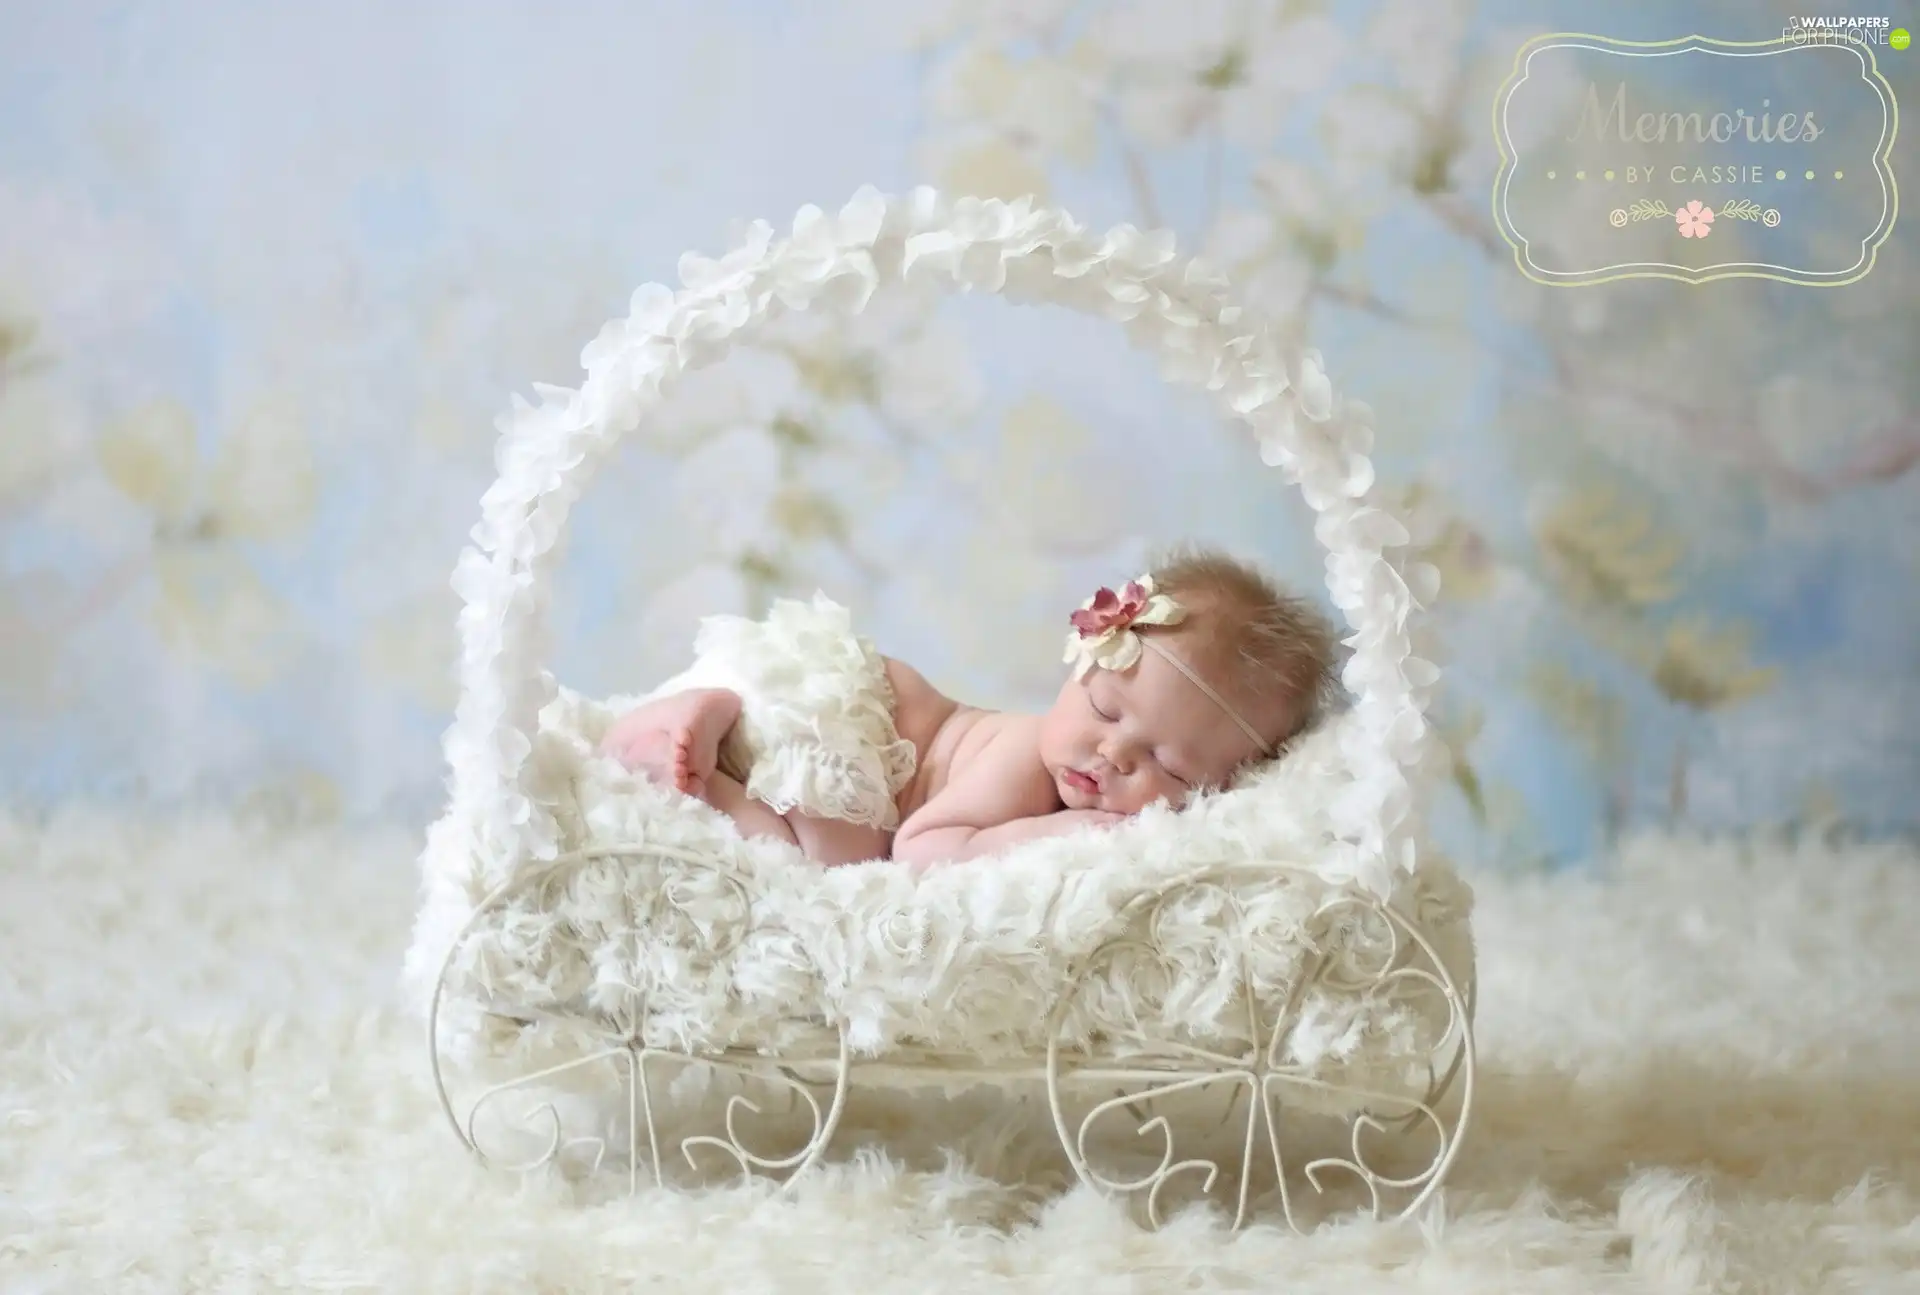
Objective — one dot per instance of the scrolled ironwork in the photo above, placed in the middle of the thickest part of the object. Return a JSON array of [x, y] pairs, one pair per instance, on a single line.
[[621, 1036], [1144, 1062], [1157, 1068]]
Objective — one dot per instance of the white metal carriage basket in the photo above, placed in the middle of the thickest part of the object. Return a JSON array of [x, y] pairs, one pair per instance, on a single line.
[[593, 951]]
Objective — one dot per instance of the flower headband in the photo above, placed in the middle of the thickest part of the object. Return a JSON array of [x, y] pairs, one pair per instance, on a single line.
[[1103, 636]]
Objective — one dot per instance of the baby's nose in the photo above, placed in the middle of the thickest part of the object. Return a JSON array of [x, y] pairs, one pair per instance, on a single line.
[[1117, 754]]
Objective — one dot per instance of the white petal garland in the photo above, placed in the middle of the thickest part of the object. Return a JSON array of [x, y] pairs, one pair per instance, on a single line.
[[1175, 307]]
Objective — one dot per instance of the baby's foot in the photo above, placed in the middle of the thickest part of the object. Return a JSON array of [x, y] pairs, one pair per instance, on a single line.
[[665, 756], [676, 741]]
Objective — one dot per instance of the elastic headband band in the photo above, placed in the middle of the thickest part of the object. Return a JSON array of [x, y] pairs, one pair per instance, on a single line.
[[1194, 677]]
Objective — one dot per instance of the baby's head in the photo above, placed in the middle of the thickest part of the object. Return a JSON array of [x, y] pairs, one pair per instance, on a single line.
[[1181, 679]]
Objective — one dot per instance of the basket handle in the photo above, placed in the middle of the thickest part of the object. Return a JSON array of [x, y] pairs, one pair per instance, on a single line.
[[1174, 306]]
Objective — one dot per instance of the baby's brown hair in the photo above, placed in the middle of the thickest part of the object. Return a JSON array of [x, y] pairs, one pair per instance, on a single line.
[[1258, 643]]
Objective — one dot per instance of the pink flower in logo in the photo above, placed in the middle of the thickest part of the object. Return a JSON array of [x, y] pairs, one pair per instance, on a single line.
[[1694, 220]]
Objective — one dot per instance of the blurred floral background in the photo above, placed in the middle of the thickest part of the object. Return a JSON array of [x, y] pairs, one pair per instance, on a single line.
[[268, 273]]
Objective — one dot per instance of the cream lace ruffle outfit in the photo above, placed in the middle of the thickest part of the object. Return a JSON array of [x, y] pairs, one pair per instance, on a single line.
[[816, 730]]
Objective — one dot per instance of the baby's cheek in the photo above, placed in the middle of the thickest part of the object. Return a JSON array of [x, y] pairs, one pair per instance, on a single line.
[[1154, 789]]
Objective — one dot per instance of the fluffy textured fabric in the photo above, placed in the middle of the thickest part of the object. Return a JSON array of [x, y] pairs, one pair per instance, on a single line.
[[1698, 1074], [744, 943]]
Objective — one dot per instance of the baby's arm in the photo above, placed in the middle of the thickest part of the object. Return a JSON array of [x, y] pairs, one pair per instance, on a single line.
[[1001, 798]]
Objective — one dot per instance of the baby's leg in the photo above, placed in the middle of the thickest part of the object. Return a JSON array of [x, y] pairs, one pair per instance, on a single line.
[[834, 841], [824, 840], [753, 817], [676, 739]]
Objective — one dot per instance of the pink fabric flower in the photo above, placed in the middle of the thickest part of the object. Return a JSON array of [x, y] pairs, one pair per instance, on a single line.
[[1103, 627], [1109, 611]]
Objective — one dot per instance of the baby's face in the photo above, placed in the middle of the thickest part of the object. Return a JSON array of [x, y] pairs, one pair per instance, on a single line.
[[1121, 741]]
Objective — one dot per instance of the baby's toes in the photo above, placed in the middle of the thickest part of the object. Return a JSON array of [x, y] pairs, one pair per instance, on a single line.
[[684, 776]]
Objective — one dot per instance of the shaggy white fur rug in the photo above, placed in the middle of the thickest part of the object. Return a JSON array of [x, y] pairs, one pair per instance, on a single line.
[[1699, 1073]]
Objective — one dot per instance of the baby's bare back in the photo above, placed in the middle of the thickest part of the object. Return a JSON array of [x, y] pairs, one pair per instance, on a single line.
[[947, 737], [980, 785]]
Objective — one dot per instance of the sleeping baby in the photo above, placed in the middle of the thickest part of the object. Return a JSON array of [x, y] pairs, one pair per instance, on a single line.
[[796, 728]]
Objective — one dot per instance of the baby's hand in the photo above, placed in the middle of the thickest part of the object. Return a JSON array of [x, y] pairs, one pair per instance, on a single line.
[[1072, 818], [954, 843]]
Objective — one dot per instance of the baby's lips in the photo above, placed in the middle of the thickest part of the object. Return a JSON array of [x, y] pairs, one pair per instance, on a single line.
[[1090, 778]]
